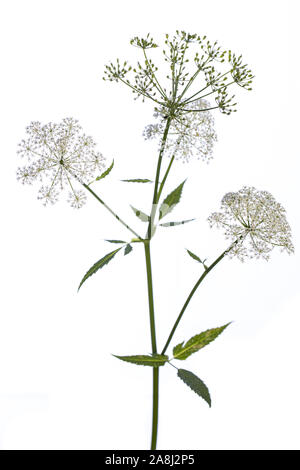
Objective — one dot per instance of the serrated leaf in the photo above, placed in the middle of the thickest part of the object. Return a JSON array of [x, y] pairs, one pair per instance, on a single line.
[[128, 249], [196, 384], [106, 172], [141, 215], [171, 201], [182, 351], [115, 241], [195, 257], [138, 180], [102, 262], [156, 360], [172, 224]]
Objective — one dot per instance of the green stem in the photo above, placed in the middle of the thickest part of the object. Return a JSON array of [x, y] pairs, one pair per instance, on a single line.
[[161, 187], [155, 407], [165, 177], [150, 289], [154, 347], [150, 286], [202, 277], [155, 193], [111, 211], [150, 295], [161, 152]]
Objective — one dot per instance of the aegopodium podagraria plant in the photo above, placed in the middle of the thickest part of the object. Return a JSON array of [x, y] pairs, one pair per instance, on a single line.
[[60, 156]]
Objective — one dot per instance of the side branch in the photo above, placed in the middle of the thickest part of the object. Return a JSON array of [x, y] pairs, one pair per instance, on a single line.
[[111, 211], [202, 277]]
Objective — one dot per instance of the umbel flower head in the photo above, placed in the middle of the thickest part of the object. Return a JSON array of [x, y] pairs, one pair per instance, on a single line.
[[190, 136], [255, 223], [196, 68], [59, 156]]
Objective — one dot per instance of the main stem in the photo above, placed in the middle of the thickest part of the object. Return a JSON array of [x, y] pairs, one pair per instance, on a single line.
[[150, 295], [154, 347], [147, 241], [156, 193]]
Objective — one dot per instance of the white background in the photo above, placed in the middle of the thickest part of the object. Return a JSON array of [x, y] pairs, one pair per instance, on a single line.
[[60, 388]]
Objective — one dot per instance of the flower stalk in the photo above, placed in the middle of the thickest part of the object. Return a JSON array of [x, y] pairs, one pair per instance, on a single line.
[[191, 294], [111, 211]]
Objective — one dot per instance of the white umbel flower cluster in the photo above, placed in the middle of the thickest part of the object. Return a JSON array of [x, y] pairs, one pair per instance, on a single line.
[[255, 223], [191, 135], [60, 155]]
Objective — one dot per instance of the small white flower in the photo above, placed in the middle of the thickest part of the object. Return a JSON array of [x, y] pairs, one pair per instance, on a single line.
[[191, 134], [59, 153], [255, 222], [48, 195], [77, 199]]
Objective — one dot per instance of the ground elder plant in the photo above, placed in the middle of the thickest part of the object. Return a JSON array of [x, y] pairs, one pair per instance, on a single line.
[[193, 79]]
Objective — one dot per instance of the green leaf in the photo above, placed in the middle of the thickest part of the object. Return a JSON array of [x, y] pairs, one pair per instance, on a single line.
[[171, 201], [141, 215], [156, 360], [102, 262], [128, 249], [115, 241], [196, 384], [172, 224], [182, 351], [138, 180], [106, 172], [195, 257]]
